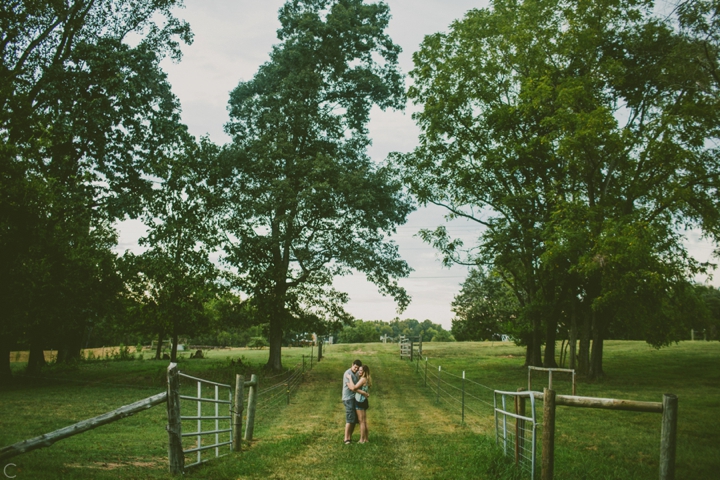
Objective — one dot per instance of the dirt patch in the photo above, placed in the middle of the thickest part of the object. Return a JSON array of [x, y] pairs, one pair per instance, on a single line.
[[113, 466]]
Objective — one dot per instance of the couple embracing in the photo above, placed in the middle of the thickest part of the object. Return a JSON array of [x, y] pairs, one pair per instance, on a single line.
[[356, 381]]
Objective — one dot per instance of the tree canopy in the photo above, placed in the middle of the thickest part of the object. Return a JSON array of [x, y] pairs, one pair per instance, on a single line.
[[578, 136], [306, 202], [84, 113]]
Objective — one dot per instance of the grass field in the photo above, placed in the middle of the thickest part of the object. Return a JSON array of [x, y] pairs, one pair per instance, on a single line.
[[411, 435]]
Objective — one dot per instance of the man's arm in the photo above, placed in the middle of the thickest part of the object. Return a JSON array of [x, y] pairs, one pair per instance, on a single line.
[[349, 383]]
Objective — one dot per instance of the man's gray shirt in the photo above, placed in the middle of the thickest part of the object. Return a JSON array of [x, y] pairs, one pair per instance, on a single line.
[[348, 394]]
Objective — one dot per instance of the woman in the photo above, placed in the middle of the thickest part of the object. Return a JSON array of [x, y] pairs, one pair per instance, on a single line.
[[361, 401]]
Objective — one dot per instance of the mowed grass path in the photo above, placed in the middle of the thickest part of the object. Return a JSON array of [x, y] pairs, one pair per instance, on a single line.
[[410, 437]]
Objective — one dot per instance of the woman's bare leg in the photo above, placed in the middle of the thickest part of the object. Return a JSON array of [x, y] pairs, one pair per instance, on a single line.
[[363, 425]]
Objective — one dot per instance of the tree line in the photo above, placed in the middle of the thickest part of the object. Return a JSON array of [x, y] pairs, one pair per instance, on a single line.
[[375, 330], [581, 138]]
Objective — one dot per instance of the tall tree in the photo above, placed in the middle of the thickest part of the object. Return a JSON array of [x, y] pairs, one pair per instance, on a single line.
[[84, 108], [485, 308], [306, 202], [175, 277], [571, 132]]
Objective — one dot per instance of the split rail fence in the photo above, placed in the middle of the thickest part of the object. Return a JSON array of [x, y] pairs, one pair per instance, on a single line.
[[226, 428]]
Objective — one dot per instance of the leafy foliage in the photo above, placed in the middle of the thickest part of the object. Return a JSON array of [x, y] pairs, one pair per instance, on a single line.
[[85, 111], [306, 203], [579, 137]]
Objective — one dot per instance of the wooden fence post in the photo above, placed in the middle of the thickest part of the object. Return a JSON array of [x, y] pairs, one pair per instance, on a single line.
[[320, 345], [174, 427], [237, 414], [668, 437], [412, 346], [548, 436], [252, 401]]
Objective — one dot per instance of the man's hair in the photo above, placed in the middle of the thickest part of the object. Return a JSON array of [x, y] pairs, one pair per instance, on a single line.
[[358, 363]]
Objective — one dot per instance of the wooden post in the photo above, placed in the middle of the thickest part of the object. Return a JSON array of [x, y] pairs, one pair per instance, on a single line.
[[237, 414], [319, 351], [252, 401], [574, 391], [311, 355], [550, 380], [548, 436], [176, 457], [519, 426], [529, 380], [668, 437], [412, 346]]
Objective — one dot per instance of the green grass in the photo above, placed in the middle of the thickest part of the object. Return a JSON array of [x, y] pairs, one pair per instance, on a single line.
[[411, 436]]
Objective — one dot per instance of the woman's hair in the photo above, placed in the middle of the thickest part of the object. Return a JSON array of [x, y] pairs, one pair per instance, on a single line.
[[366, 374]]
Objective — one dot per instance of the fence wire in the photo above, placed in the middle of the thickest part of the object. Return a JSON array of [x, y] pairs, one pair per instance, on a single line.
[[475, 403]]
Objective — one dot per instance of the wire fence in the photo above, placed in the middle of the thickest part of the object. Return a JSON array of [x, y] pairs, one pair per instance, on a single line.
[[282, 388], [516, 428], [476, 403]]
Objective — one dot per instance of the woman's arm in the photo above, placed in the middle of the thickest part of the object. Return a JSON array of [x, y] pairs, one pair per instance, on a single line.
[[359, 390], [356, 387]]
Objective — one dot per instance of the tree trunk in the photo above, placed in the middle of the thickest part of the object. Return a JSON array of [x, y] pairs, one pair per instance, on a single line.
[[37, 357], [70, 346], [550, 339], [598, 333], [276, 333], [573, 335], [158, 349], [528, 355], [537, 341], [5, 346], [173, 351], [583, 360]]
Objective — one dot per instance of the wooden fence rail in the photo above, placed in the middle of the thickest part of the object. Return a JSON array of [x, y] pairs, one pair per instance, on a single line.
[[668, 434], [50, 438]]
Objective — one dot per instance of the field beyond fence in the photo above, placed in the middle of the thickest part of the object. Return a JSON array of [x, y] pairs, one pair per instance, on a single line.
[[416, 430]]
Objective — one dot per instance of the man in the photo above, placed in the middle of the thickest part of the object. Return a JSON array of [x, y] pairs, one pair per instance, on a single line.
[[348, 397]]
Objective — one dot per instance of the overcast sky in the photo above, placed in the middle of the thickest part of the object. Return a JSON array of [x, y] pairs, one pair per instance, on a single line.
[[234, 37]]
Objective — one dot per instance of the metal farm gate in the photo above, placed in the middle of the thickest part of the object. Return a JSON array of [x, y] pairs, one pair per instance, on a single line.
[[220, 425], [520, 435]]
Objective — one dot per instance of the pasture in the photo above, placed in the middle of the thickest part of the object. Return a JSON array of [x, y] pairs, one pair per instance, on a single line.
[[411, 434]]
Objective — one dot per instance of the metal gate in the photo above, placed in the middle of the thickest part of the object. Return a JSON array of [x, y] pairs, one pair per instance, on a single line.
[[520, 437], [203, 416]]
